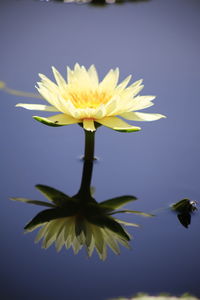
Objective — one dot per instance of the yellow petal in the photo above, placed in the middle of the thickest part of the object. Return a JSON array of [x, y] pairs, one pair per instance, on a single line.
[[57, 120], [88, 124], [117, 124], [63, 119]]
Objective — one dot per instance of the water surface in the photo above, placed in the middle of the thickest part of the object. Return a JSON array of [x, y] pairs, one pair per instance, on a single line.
[[156, 40]]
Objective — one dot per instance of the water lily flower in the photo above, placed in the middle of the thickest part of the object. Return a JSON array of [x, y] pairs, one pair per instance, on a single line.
[[83, 99]]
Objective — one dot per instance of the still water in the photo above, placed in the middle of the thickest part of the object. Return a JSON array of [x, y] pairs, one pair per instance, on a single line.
[[156, 40]]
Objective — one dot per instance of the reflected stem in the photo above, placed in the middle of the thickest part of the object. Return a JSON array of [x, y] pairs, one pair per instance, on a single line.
[[84, 190]]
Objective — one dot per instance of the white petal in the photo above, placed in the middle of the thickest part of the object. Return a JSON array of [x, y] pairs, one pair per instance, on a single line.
[[70, 74], [50, 95], [38, 107], [137, 116], [123, 84], [47, 82], [136, 83], [59, 79], [69, 109], [100, 112], [110, 80], [133, 91], [141, 102], [77, 67], [112, 105], [93, 75]]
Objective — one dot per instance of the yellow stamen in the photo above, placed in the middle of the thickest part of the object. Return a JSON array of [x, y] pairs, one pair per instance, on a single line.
[[91, 99]]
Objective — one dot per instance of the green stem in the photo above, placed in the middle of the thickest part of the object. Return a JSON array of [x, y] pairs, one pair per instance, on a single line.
[[84, 190], [89, 145]]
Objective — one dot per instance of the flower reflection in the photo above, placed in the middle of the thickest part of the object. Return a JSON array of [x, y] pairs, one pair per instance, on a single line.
[[85, 100], [80, 221]]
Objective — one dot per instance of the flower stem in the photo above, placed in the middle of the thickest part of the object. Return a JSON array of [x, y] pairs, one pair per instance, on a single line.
[[89, 145], [84, 190]]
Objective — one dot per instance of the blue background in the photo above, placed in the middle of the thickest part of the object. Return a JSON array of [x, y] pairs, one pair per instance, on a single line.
[[157, 40]]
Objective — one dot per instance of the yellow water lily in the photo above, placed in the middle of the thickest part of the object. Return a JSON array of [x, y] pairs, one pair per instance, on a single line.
[[83, 99]]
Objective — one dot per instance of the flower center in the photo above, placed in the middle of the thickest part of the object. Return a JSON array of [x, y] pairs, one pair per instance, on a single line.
[[91, 99]]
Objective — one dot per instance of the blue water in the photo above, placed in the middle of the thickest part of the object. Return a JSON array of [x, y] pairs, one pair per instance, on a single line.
[[156, 40]]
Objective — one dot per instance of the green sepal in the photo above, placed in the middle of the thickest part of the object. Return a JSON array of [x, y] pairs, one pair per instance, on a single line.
[[47, 122], [127, 130], [55, 196], [49, 215], [117, 202], [36, 202], [110, 223]]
